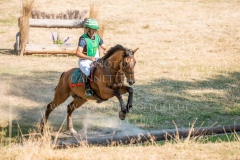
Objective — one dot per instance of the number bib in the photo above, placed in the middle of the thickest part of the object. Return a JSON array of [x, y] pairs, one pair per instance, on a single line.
[[91, 45]]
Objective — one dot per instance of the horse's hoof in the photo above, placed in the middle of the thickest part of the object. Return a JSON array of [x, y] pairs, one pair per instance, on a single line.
[[122, 115], [99, 101], [73, 132]]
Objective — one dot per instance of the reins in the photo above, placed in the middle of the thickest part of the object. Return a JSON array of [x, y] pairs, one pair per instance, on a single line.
[[120, 71]]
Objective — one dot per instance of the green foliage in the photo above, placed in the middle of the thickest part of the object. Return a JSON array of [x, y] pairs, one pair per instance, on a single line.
[[8, 21], [223, 138], [59, 41]]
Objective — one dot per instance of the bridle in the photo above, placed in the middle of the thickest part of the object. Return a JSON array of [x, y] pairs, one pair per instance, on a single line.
[[121, 72]]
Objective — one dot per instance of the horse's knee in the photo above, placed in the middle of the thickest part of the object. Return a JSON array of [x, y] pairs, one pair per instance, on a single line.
[[118, 94], [130, 90]]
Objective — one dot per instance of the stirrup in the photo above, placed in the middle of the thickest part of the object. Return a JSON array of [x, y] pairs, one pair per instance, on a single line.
[[88, 91]]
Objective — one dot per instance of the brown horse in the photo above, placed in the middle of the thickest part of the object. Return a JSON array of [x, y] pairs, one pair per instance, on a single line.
[[107, 82]]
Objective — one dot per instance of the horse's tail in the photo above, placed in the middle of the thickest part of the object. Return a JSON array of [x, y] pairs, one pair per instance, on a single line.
[[59, 79]]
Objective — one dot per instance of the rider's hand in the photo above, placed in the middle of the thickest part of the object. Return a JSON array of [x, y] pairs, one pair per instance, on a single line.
[[92, 58], [105, 51]]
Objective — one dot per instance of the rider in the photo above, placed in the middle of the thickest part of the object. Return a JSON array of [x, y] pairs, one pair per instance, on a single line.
[[87, 52]]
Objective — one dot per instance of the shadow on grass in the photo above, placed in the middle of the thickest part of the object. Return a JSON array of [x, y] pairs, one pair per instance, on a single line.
[[212, 100], [8, 52], [33, 92]]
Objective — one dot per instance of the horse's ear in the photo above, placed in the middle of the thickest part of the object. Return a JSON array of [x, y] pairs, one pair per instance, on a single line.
[[135, 50]]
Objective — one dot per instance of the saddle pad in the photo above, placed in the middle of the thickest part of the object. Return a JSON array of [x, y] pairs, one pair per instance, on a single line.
[[76, 78]]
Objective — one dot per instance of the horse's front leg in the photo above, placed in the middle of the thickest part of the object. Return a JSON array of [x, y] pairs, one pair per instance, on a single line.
[[119, 96], [123, 112], [110, 92], [130, 96]]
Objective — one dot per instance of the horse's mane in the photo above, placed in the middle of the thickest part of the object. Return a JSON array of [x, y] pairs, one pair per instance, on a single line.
[[113, 50]]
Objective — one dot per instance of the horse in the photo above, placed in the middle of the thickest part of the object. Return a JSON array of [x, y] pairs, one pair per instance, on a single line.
[[107, 82]]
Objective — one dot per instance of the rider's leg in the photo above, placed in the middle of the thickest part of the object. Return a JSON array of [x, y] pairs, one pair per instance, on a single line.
[[88, 90], [85, 67]]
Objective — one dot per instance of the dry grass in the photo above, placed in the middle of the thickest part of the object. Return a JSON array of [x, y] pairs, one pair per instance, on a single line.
[[183, 150], [187, 67], [180, 58], [100, 32], [94, 13], [191, 48], [42, 147], [94, 10], [27, 6], [146, 26]]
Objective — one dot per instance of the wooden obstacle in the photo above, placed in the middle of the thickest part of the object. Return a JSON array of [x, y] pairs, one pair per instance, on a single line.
[[71, 19], [56, 23], [69, 14], [50, 49]]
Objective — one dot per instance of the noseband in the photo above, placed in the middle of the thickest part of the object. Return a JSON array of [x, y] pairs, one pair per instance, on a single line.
[[121, 72]]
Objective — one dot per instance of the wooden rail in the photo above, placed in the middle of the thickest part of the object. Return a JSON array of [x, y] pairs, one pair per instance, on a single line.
[[56, 23], [50, 49]]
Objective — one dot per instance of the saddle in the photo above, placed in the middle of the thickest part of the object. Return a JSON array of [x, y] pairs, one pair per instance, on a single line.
[[77, 75], [77, 79]]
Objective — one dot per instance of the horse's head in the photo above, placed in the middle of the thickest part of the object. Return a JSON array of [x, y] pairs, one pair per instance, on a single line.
[[128, 64]]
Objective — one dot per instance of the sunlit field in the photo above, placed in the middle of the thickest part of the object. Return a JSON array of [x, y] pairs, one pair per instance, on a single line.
[[187, 68]]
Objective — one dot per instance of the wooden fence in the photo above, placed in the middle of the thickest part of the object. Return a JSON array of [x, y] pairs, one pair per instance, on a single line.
[[70, 19]]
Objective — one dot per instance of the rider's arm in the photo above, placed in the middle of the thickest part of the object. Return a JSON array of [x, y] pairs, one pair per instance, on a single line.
[[105, 48], [80, 54]]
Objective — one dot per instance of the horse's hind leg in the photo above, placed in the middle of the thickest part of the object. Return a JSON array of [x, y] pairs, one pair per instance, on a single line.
[[76, 103], [59, 98]]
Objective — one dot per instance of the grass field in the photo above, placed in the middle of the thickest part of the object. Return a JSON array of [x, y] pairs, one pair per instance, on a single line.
[[187, 68], [220, 147]]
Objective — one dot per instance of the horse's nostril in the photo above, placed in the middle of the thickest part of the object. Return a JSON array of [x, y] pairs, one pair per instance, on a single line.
[[131, 82]]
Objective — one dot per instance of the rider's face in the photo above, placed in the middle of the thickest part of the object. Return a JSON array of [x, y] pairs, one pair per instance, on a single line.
[[92, 31]]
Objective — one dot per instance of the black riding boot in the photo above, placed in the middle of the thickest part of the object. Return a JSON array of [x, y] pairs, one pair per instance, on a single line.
[[88, 90]]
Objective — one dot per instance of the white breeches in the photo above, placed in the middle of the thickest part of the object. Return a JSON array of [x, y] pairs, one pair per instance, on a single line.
[[84, 65]]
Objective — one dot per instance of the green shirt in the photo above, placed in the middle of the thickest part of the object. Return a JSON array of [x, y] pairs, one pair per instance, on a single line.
[[91, 45]]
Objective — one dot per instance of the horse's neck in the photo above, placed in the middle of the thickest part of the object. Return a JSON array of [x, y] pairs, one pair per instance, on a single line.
[[111, 66], [115, 66], [115, 59], [112, 63]]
